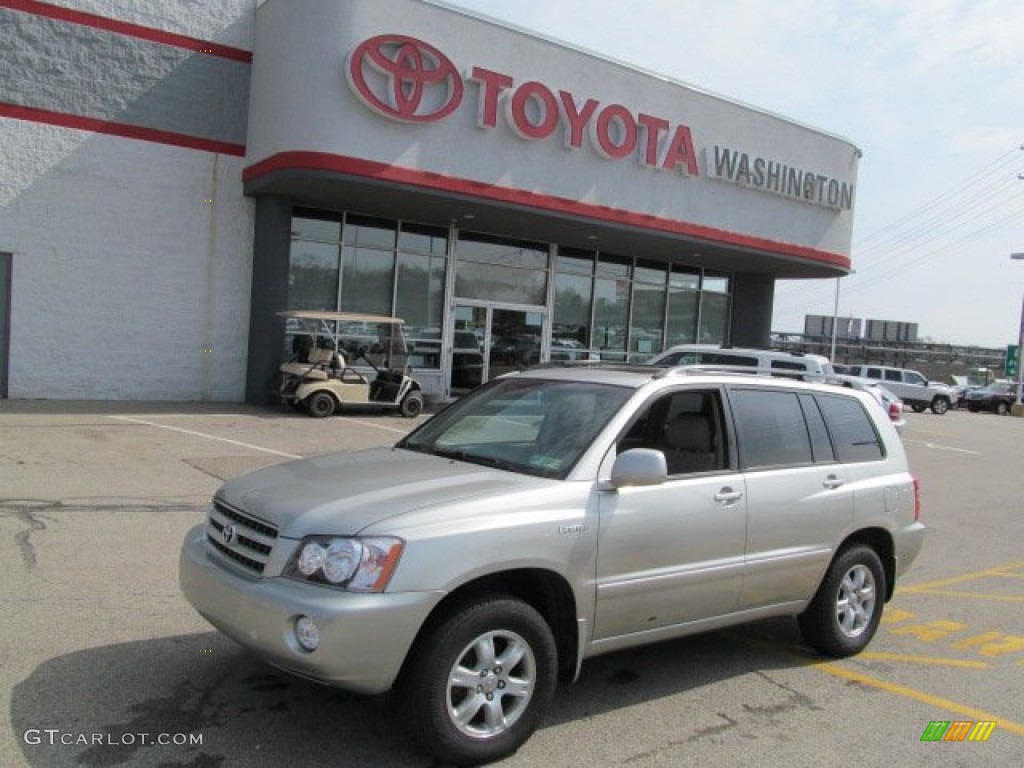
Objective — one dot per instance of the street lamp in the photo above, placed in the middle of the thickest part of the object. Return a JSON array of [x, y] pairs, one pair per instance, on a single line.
[[835, 313], [1020, 347]]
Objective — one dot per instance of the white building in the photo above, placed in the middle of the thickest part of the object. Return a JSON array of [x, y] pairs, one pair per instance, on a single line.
[[174, 173]]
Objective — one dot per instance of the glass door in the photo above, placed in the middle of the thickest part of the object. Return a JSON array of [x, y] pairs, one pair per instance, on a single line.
[[489, 340]]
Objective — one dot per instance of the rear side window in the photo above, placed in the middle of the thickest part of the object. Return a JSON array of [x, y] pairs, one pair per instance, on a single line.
[[853, 433], [771, 427], [893, 375], [821, 443]]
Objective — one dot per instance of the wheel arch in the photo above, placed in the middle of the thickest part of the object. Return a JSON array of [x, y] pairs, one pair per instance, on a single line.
[[880, 540], [545, 591]]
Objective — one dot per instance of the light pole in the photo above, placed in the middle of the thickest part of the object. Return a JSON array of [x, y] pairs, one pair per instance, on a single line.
[[1020, 349], [835, 314]]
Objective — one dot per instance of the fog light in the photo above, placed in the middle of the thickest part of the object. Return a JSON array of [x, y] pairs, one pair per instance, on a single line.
[[306, 633]]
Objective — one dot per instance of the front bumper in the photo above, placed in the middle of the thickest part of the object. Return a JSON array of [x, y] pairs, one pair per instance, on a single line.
[[364, 638]]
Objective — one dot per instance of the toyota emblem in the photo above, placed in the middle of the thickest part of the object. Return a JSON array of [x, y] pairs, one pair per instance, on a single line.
[[404, 78], [228, 533]]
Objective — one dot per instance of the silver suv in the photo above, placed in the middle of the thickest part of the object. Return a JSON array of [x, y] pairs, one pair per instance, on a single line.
[[909, 386], [553, 515]]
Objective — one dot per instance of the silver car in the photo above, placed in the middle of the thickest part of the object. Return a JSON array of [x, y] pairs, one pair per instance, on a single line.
[[553, 515]]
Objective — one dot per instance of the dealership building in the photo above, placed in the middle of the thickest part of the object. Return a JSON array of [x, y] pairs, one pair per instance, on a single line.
[[174, 174]]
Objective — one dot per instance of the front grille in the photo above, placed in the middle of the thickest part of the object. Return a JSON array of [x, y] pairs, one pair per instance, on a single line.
[[248, 542]]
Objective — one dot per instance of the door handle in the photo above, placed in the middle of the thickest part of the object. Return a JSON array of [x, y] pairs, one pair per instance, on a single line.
[[727, 495], [832, 482]]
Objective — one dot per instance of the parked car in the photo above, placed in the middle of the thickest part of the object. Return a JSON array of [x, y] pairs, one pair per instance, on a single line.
[[910, 387], [892, 405], [553, 515], [769, 362], [568, 349], [996, 397]]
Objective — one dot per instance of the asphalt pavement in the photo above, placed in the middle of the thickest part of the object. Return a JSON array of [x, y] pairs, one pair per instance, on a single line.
[[105, 664]]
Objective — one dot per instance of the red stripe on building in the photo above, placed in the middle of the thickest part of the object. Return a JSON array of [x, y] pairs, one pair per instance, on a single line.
[[126, 28], [351, 166], [124, 130]]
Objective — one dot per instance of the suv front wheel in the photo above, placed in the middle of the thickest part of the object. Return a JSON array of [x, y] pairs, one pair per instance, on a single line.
[[844, 614], [940, 405], [479, 682]]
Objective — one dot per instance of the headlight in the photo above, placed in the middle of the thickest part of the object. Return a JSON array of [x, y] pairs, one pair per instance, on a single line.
[[359, 564]]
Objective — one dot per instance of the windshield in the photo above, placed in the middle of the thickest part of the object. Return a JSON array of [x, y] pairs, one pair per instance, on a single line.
[[531, 426]]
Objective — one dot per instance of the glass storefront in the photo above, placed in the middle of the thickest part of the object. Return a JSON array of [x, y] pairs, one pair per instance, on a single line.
[[515, 303]]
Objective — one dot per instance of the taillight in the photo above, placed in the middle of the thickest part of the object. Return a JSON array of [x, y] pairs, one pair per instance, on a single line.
[[917, 500], [895, 410]]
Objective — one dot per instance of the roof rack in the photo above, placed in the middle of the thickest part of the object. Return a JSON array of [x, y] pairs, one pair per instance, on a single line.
[[660, 372], [607, 364], [695, 369]]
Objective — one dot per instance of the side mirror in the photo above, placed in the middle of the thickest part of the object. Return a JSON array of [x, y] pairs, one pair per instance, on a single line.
[[639, 466]]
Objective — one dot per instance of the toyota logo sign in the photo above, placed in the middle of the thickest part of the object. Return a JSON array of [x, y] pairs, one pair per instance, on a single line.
[[404, 78]]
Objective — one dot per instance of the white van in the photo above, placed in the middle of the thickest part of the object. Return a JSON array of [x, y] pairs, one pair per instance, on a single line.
[[768, 362]]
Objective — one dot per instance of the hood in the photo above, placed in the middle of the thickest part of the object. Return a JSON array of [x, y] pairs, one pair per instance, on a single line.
[[341, 494]]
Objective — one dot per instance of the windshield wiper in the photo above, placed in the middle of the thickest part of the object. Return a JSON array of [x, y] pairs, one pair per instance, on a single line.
[[473, 458]]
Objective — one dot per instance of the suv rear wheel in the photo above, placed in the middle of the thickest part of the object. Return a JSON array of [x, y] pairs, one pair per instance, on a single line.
[[844, 614], [480, 681]]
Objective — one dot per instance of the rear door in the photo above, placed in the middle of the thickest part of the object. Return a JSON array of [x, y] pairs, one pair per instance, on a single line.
[[798, 497]]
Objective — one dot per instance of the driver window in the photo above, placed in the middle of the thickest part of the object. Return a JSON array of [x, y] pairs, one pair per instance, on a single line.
[[685, 426]]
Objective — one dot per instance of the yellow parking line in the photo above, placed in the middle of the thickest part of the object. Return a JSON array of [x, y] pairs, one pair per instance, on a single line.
[[979, 595], [997, 571], [931, 660], [925, 698]]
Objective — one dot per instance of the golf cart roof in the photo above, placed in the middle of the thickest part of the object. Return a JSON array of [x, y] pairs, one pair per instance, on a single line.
[[341, 317]]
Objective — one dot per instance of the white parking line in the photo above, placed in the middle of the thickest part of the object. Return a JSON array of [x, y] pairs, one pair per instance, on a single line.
[[208, 437], [371, 424], [937, 447]]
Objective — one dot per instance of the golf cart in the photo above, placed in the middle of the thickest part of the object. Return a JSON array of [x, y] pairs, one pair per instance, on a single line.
[[319, 376]]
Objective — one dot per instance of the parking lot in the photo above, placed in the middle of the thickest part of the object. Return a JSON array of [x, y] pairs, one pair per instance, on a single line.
[[107, 665]]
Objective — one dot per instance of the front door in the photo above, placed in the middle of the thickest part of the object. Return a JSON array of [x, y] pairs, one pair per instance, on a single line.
[[673, 553], [488, 340]]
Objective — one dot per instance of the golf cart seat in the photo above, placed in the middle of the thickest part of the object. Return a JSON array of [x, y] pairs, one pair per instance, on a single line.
[[304, 371], [323, 356]]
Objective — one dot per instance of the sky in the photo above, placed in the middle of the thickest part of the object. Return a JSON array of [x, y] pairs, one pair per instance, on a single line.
[[932, 92]]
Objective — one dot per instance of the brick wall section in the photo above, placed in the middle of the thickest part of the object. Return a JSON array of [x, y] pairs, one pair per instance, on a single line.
[[74, 69], [228, 22], [132, 258], [123, 273]]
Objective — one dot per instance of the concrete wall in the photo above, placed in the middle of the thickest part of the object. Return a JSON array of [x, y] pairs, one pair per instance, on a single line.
[[132, 256]]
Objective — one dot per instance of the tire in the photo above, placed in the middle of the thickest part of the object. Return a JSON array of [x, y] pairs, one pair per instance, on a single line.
[[1002, 408], [918, 408], [940, 405], [320, 404], [412, 404], [452, 682], [844, 614]]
